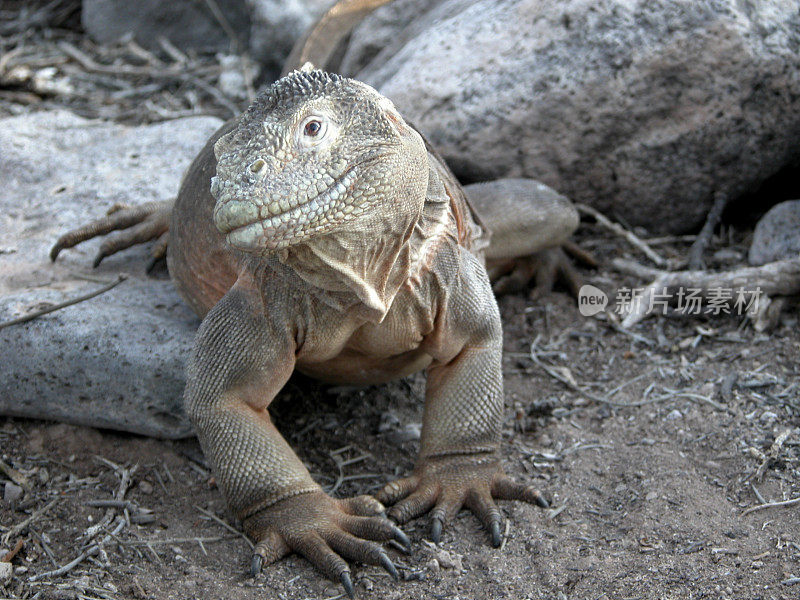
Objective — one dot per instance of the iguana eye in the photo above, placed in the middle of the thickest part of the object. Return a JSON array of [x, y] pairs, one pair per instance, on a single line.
[[312, 128]]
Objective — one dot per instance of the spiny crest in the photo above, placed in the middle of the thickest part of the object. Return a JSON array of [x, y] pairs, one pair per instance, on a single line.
[[297, 86]]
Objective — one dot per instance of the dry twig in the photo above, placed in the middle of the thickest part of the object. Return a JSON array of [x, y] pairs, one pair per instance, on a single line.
[[91, 551], [791, 502], [54, 307], [704, 237], [632, 238], [226, 525], [20, 527]]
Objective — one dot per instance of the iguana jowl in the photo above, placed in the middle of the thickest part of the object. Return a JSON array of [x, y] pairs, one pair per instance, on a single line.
[[338, 243]]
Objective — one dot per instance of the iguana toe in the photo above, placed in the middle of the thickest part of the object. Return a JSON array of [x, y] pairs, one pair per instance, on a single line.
[[140, 224], [444, 485], [543, 269], [326, 532]]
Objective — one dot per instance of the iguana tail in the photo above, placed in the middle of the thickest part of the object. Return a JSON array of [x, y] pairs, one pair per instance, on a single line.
[[322, 39]]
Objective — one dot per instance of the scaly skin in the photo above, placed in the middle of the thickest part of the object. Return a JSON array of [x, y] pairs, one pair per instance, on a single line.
[[347, 250], [357, 260]]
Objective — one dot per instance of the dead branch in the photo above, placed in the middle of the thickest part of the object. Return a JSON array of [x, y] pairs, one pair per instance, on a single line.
[[20, 527], [791, 502], [701, 243], [226, 525], [91, 551], [779, 278]]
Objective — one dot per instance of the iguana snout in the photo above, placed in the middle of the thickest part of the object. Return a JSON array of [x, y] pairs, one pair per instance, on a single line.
[[313, 154]]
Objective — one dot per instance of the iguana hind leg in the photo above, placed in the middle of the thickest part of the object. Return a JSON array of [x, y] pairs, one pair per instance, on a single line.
[[529, 224], [138, 224]]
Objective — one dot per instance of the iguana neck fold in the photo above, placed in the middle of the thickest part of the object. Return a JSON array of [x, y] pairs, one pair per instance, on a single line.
[[375, 260]]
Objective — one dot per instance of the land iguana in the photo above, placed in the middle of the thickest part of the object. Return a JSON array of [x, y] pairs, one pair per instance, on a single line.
[[319, 231]]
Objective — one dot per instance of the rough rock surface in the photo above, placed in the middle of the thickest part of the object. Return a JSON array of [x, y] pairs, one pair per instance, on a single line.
[[642, 108], [777, 234], [118, 358]]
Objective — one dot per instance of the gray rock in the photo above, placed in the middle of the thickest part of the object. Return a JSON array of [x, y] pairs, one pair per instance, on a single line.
[[188, 25], [642, 108], [117, 360], [777, 234], [12, 492]]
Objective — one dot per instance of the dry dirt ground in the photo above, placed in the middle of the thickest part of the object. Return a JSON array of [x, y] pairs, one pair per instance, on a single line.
[[649, 501]]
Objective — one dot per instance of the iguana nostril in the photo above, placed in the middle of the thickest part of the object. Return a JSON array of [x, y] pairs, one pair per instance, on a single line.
[[257, 165]]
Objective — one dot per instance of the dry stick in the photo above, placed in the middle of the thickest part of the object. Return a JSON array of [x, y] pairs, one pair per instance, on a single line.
[[9, 556], [693, 396], [19, 527], [621, 231], [704, 237], [226, 525], [779, 278], [43, 311], [207, 540], [15, 476], [772, 454], [791, 502], [94, 549], [225, 24], [45, 547], [757, 493]]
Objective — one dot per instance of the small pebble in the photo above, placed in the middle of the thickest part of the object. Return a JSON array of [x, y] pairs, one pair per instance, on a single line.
[[448, 561], [674, 415], [432, 566], [768, 417], [12, 492], [389, 421], [43, 475], [408, 433], [145, 487]]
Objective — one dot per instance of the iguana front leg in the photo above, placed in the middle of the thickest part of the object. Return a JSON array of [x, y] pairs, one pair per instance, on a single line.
[[243, 355], [459, 464]]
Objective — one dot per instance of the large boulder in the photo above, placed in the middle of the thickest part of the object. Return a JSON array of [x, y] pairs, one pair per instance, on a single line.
[[116, 360], [642, 108]]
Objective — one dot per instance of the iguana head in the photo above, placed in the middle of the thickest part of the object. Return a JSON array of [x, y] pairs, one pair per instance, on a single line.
[[314, 154]]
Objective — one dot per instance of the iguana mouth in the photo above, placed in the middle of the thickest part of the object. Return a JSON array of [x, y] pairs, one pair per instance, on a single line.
[[268, 230]]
